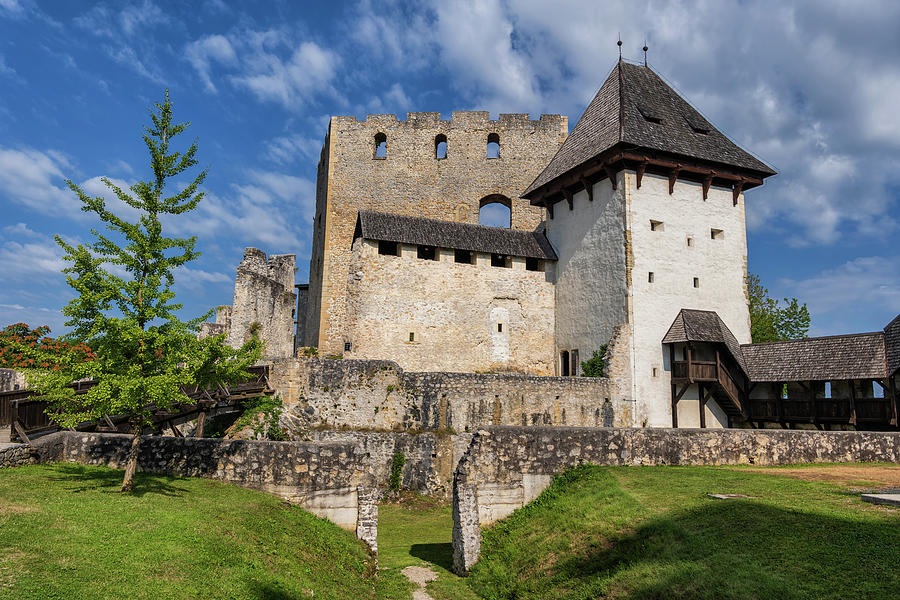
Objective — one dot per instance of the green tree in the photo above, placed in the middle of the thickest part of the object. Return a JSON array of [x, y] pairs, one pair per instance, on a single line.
[[595, 366], [772, 322], [125, 309]]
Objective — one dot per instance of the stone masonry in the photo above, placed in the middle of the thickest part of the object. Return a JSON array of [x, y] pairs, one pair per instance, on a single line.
[[410, 180], [507, 467]]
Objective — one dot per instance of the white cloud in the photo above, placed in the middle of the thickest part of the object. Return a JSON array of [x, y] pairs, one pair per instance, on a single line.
[[13, 7], [135, 17], [23, 262], [288, 149], [196, 279], [203, 52], [21, 229], [6, 69], [35, 179], [34, 316]]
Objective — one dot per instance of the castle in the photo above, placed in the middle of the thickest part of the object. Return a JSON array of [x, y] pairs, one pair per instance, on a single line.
[[629, 235]]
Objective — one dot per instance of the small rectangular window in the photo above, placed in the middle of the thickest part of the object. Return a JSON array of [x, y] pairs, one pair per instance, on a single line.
[[690, 242], [656, 225], [716, 234], [426, 253], [500, 260], [650, 277], [696, 282], [533, 264], [499, 327], [412, 336], [655, 372], [348, 346], [462, 256], [388, 248]]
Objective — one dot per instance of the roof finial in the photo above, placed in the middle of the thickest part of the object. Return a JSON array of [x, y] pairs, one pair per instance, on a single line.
[[645, 53], [619, 44]]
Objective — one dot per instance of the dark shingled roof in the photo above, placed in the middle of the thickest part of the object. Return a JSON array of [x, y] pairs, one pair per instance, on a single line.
[[854, 356], [892, 345], [619, 113], [703, 326], [450, 234]]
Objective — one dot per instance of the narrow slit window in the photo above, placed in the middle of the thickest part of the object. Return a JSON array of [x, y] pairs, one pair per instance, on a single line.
[[426, 252], [462, 256], [388, 248], [716, 234], [690, 242], [440, 146], [655, 371], [493, 146], [380, 145], [533, 264], [564, 363], [412, 336], [696, 282], [650, 277], [656, 225], [499, 327]]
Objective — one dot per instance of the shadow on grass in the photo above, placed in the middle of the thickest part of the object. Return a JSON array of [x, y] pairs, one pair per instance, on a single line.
[[267, 591], [84, 478], [732, 549], [440, 555]]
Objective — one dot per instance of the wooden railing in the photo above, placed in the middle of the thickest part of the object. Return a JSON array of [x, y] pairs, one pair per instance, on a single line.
[[700, 370], [821, 410]]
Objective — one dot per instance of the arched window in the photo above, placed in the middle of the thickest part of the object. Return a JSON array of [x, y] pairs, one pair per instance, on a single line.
[[495, 211], [380, 145], [440, 146], [493, 146]]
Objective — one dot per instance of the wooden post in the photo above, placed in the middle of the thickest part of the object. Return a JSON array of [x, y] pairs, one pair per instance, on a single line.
[[702, 399], [689, 361], [174, 429], [852, 402], [893, 390], [201, 421], [779, 405], [18, 427], [674, 409]]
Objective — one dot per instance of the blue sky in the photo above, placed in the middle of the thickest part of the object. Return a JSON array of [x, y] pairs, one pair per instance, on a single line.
[[812, 90]]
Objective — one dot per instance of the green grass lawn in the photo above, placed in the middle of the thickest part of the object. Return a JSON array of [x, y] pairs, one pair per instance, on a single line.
[[66, 532], [652, 532]]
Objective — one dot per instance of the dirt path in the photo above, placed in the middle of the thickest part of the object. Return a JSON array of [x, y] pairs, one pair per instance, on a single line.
[[420, 576], [883, 476]]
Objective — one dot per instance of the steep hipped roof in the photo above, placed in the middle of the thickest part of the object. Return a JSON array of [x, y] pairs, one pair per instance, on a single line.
[[637, 108], [703, 326], [892, 345], [449, 234], [854, 356]]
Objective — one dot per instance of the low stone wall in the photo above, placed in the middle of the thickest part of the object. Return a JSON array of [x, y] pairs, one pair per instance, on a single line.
[[379, 395], [16, 455], [327, 478], [506, 467]]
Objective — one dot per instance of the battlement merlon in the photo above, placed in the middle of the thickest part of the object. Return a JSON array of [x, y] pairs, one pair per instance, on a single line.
[[460, 119]]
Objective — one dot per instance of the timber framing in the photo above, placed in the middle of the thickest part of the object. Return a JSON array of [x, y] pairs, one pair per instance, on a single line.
[[608, 164]]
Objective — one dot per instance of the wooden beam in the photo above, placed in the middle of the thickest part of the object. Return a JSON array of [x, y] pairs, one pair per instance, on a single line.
[[852, 402], [779, 405], [702, 405], [611, 173], [893, 389], [681, 393], [707, 181], [201, 421], [674, 409], [673, 176], [588, 188], [174, 429], [20, 431], [736, 192], [569, 198], [549, 208], [689, 361], [641, 167]]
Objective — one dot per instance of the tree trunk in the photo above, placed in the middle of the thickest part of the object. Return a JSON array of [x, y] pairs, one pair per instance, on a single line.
[[131, 464]]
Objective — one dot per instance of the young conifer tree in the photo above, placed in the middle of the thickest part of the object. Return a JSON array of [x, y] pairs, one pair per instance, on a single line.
[[125, 309]]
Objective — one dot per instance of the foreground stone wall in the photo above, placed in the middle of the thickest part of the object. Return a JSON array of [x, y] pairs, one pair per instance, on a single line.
[[18, 455], [506, 467], [412, 311], [379, 395]]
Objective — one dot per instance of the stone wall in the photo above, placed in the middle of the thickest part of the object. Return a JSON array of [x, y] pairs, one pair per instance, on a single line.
[[506, 467], [11, 380], [440, 315], [379, 395], [17, 455], [410, 180]]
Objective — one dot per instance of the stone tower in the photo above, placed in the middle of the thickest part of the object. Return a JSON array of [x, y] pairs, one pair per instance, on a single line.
[[645, 210], [421, 167]]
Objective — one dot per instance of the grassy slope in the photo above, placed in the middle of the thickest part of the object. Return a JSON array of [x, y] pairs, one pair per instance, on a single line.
[[417, 531], [645, 532], [65, 532]]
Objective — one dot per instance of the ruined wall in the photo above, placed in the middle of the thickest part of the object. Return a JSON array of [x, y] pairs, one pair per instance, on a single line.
[[410, 180], [379, 395], [506, 467], [300, 315], [11, 380], [264, 294], [439, 315]]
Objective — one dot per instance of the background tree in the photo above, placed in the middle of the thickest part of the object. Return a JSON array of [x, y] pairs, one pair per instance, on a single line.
[[595, 366], [125, 310], [772, 322]]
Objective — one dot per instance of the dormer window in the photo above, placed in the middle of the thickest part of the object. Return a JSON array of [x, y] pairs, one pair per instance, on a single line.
[[697, 124], [650, 115]]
